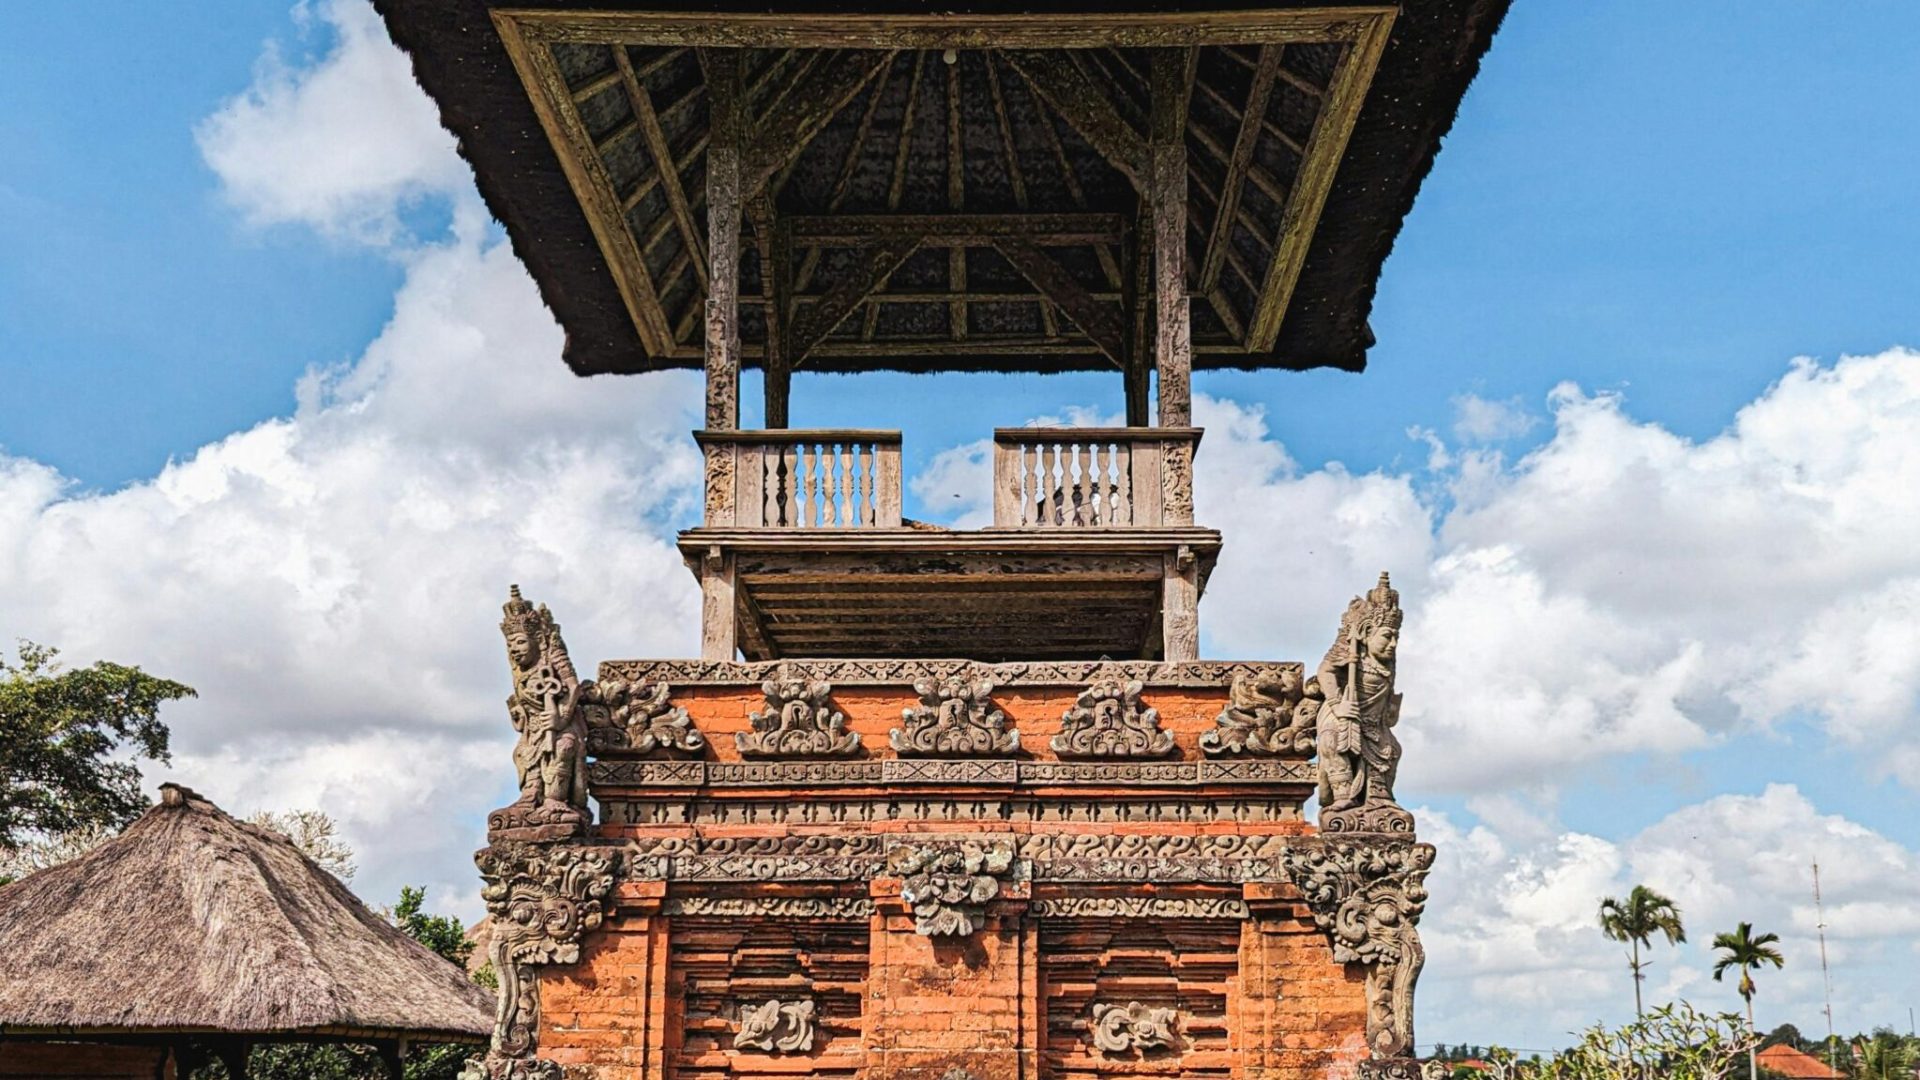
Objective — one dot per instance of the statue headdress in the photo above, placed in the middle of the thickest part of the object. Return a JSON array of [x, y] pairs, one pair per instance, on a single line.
[[1365, 614], [521, 615]]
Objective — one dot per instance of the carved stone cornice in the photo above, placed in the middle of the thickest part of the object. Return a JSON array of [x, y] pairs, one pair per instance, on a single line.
[[948, 885], [1131, 1028], [1191, 674], [1107, 720], [957, 772], [772, 907], [1368, 893], [1138, 907], [798, 722], [541, 900], [955, 717]]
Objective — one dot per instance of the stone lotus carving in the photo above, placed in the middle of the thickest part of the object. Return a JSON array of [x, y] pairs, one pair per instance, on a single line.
[[948, 886], [1353, 733], [541, 901], [1368, 895], [955, 716], [797, 722], [775, 1026], [550, 755], [1107, 721], [1262, 716], [641, 713], [1121, 1029]]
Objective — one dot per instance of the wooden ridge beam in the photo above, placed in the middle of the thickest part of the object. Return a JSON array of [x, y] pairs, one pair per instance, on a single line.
[[802, 112], [1066, 90], [1101, 323], [812, 326]]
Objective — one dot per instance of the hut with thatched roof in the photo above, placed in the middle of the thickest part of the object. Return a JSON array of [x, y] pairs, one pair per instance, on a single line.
[[194, 934]]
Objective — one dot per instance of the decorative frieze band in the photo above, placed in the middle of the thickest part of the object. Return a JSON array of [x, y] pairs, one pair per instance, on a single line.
[[903, 673], [1138, 907], [772, 907], [832, 773], [1169, 809]]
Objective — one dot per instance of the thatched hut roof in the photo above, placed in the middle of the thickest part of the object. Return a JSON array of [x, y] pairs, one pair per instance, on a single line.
[[191, 921]]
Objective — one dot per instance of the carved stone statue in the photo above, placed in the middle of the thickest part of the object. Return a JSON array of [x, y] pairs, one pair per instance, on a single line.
[[550, 756], [797, 722], [1261, 716], [777, 1027], [1359, 755], [1368, 894], [540, 901], [1107, 721], [1120, 1029], [954, 716], [948, 886]]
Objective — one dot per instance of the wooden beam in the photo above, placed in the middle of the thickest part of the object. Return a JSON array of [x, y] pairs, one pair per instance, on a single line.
[[656, 142], [814, 100], [772, 238], [811, 327], [1136, 293], [719, 633], [724, 176], [956, 202], [1266, 69], [1167, 200], [1096, 320], [1066, 90], [956, 230]]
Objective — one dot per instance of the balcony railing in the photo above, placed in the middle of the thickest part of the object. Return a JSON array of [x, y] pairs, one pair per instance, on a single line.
[[1043, 478], [1090, 478]]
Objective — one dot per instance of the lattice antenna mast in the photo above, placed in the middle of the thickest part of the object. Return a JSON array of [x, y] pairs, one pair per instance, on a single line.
[[1826, 974]]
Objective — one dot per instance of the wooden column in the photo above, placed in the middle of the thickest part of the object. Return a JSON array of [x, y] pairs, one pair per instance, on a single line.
[[1180, 607], [719, 635], [723, 239], [774, 240], [1167, 202], [1136, 256]]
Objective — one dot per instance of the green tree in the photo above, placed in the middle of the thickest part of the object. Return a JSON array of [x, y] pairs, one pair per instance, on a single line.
[[57, 731], [1884, 1055], [1672, 1042], [1743, 950], [1634, 921]]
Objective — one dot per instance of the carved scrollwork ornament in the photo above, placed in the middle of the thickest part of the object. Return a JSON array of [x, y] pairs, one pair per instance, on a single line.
[[541, 901], [1262, 717], [1368, 895], [948, 886], [955, 716], [637, 716], [1131, 1028], [1404, 1069], [776, 1027], [1107, 720], [797, 722]]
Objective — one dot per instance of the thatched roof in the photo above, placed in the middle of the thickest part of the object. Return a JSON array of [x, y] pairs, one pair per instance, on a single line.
[[193, 921], [942, 131]]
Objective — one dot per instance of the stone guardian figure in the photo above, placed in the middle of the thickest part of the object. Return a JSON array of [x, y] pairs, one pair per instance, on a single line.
[[550, 756], [1353, 733]]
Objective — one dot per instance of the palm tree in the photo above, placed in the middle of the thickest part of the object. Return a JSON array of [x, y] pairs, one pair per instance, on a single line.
[[1741, 949], [1884, 1056], [1634, 921]]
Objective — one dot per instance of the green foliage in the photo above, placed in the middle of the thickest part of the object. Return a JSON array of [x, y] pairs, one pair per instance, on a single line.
[[1884, 1055], [1673, 1042], [441, 933], [1634, 921], [1743, 950], [57, 729]]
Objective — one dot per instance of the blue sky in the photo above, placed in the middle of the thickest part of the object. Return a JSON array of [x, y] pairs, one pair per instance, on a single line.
[[1661, 204]]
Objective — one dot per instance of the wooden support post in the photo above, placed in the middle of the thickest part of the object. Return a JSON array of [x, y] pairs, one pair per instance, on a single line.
[[774, 239], [718, 634], [723, 240], [1167, 200], [1136, 253], [390, 1058], [1180, 607]]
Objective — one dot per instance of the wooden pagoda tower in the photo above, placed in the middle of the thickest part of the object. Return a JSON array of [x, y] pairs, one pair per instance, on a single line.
[[937, 804]]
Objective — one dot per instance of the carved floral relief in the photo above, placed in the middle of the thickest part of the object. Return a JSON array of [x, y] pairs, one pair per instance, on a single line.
[[1131, 1028], [949, 885], [1107, 720], [797, 722], [955, 716], [776, 1027]]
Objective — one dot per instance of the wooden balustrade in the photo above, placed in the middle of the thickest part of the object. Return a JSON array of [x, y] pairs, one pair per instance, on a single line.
[[1089, 478], [789, 479]]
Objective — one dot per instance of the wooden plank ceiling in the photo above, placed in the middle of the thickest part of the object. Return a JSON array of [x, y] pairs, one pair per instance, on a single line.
[[951, 207]]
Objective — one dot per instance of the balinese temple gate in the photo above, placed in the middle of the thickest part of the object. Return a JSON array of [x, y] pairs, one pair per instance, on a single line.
[[937, 804]]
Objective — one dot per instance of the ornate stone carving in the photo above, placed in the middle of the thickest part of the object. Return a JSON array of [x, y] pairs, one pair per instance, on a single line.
[[1359, 755], [1404, 1069], [498, 1068], [1176, 483], [960, 771], [550, 756], [1261, 717], [1198, 674], [540, 900], [1107, 721], [797, 722], [1368, 895], [1131, 1028], [1052, 846], [775, 1026], [955, 716], [1138, 907], [949, 771], [775, 907], [949, 885], [637, 717]]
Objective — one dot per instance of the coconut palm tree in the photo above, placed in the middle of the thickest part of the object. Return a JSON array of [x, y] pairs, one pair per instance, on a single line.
[[1742, 949], [1634, 921]]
